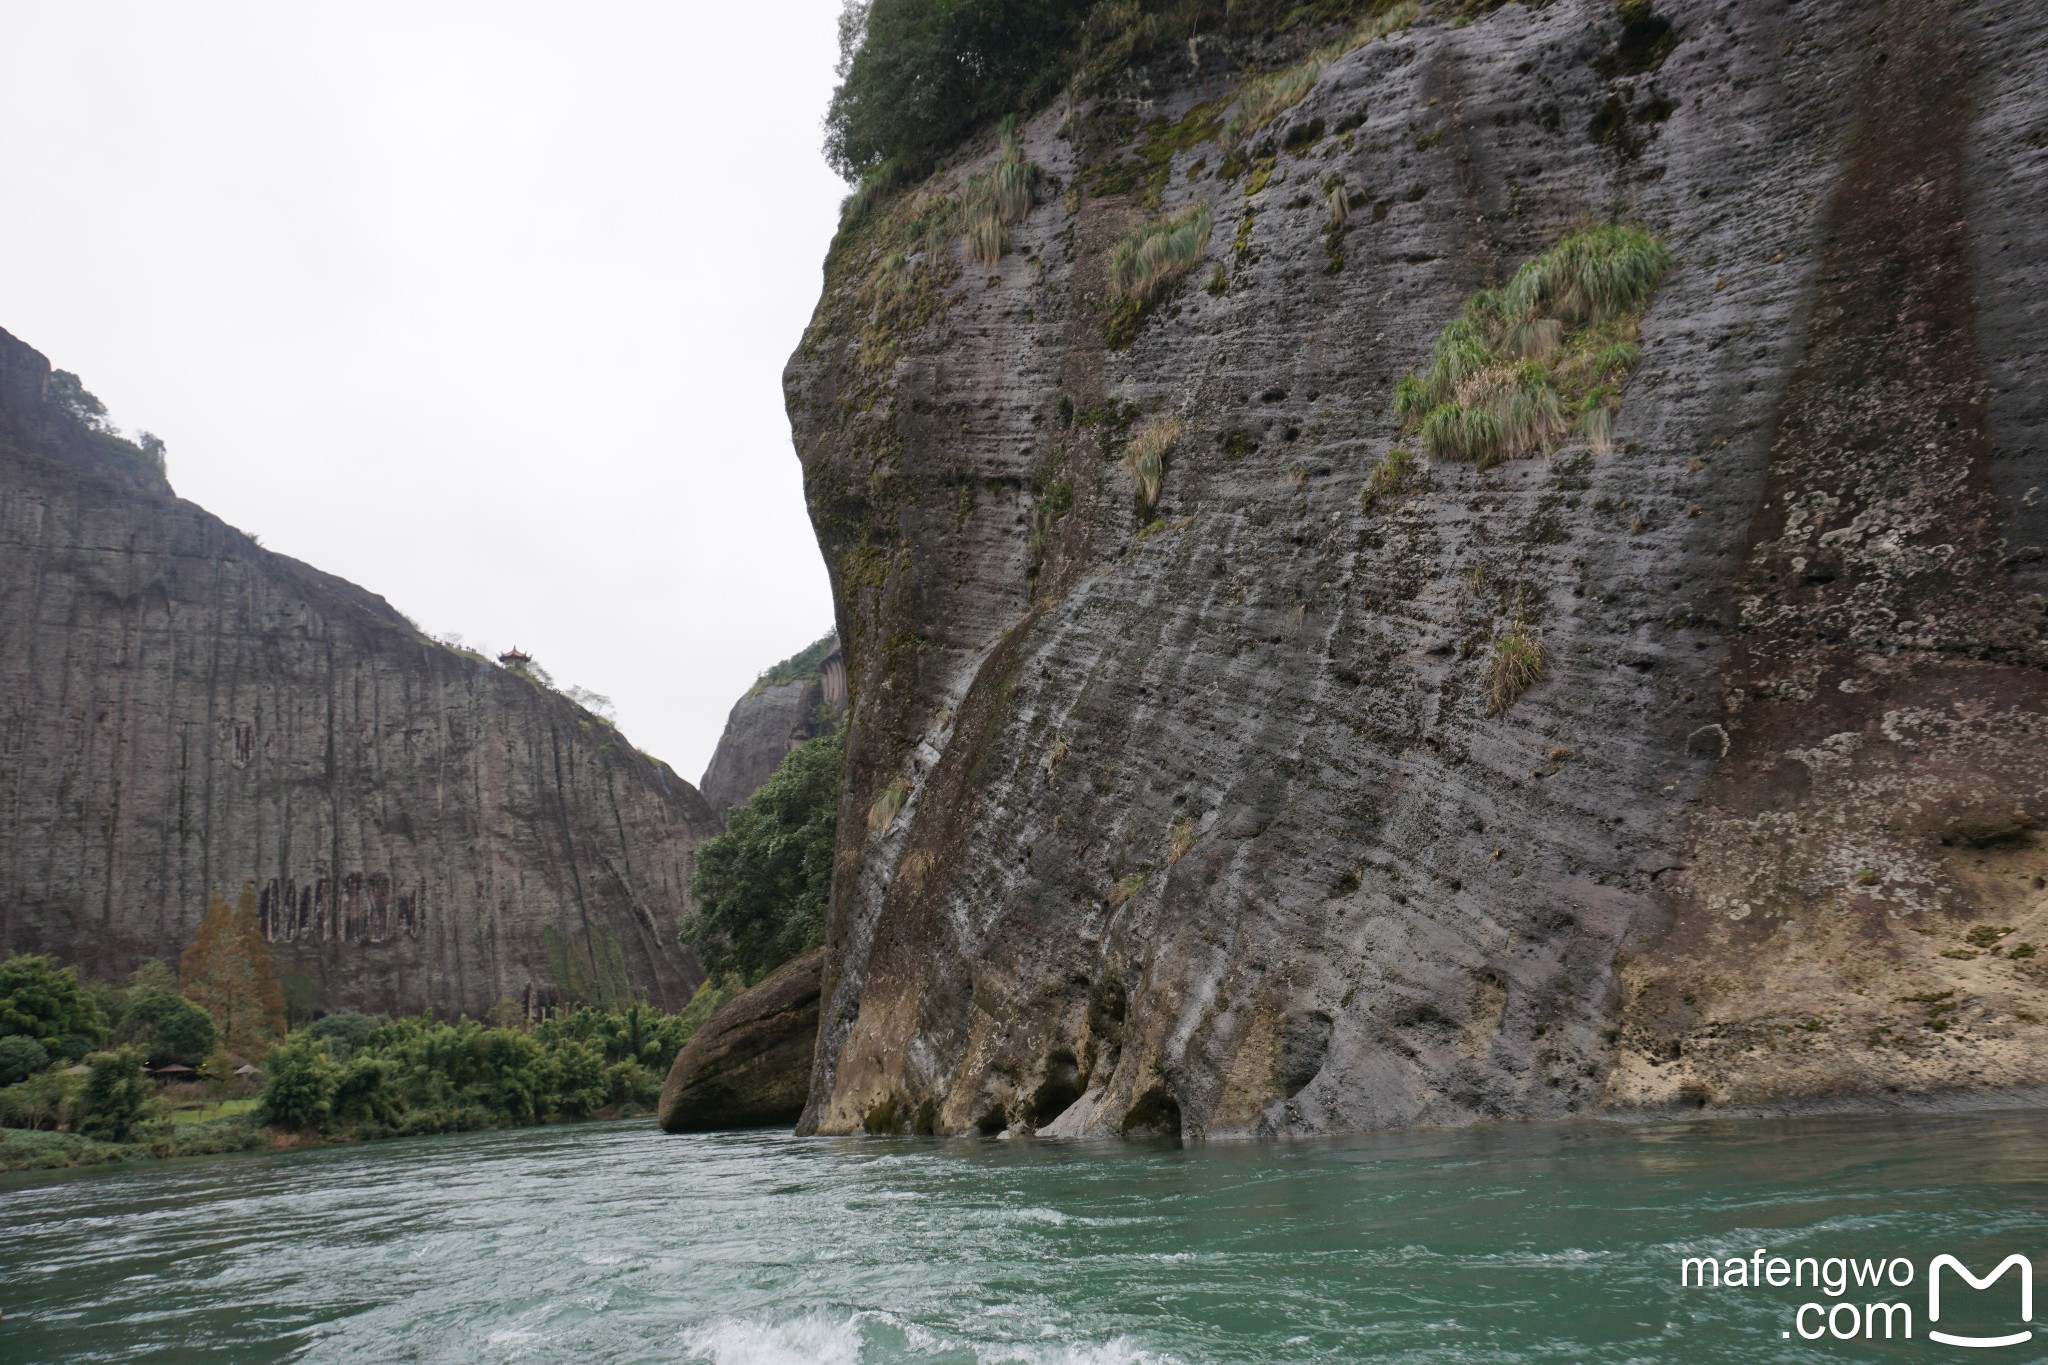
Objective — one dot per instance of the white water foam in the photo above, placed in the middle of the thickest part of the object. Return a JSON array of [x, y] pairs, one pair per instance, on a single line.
[[817, 1339], [1116, 1351], [811, 1340]]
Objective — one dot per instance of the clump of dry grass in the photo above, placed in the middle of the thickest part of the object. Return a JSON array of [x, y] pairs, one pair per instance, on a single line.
[[1127, 886], [1179, 840], [916, 868], [1516, 664], [882, 813], [1264, 98], [1145, 458]]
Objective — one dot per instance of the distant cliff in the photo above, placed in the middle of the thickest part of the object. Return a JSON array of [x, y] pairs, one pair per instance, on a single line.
[[1229, 756], [183, 713], [793, 702]]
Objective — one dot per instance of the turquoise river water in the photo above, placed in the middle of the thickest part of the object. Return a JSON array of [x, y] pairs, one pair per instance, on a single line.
[[613, 1242]]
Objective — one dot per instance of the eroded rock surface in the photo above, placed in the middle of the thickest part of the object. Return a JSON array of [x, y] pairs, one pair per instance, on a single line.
[[749, 1066], [183, 713], [1210, 829]]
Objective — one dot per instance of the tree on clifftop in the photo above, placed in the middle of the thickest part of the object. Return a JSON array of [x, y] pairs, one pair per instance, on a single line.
[[919, 75], [227, 973]]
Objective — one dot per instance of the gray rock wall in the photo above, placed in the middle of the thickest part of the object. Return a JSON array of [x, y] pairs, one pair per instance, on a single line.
[[1210, 828], [764, 726], [183, 713]]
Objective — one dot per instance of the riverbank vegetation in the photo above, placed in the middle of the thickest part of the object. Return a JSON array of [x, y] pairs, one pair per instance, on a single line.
[[200, 1061], [353, 1076]]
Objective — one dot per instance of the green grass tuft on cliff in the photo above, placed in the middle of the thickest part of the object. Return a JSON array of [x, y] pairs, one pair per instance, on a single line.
[[1516, 664], [996, 198], [1147, 263], [1542, 359], [1264, 98], [1145, 458]]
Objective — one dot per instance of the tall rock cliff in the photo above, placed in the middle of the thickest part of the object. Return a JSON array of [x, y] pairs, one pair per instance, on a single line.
[[1209, 818], [794, 701], [185, 714]]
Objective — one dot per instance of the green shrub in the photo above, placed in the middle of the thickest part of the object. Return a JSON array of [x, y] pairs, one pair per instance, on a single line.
[[343, 1033], [217, 1073], [762, 886], [47, 1099], [40, 1000], [300, 1080], [168, 1027], [117, 1097], [580, 1084], [20, 1058], [366, 1094], [632, 1083]]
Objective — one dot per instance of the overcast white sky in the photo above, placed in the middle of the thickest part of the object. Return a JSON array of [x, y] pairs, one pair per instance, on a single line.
[[483, 306]]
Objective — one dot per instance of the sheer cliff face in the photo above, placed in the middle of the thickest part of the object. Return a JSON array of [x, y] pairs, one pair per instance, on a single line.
[[1210, 828], [186, 713], [765, 725]]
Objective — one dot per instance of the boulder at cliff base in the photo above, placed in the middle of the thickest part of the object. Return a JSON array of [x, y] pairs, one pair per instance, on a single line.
[[749, 1066]]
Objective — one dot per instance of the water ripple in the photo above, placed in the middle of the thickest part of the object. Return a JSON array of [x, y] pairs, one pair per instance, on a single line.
[[612, 1242]]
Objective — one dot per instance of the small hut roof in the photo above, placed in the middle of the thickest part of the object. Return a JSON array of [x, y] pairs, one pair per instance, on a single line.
[[173, 1068], [245, 1069]]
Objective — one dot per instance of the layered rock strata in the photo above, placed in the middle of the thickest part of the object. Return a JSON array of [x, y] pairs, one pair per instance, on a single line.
[[1201, 821]]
